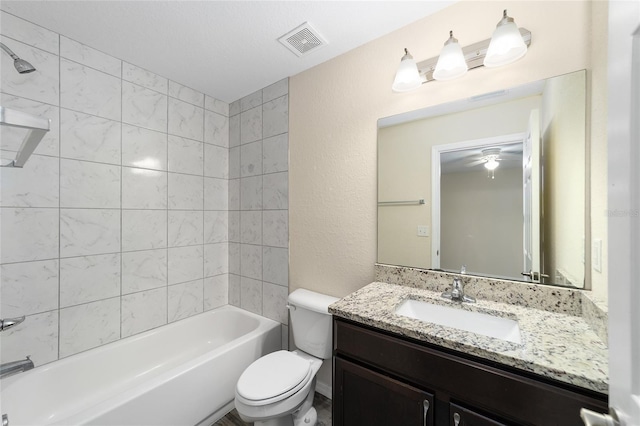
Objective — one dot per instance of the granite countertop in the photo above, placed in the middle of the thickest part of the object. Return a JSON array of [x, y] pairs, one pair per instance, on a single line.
[[554, 345]]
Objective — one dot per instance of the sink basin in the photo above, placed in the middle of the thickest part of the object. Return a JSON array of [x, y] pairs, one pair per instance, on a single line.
[[474, 322]]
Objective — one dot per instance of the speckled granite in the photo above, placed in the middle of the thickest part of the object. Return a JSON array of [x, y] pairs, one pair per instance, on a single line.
[[555, 345], [596, 313], [547, 298]]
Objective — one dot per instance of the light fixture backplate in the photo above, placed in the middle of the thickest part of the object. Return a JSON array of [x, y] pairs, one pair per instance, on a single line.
[[473, 54]]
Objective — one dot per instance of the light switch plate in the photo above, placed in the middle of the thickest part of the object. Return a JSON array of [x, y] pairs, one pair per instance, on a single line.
[[596, 255], [423, 231]]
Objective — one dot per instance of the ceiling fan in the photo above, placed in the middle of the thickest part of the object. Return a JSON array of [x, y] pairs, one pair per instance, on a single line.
[[510, 155], [491, 158]]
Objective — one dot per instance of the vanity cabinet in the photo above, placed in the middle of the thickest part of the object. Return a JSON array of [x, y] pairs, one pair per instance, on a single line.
[[371, 398], [384, 379]]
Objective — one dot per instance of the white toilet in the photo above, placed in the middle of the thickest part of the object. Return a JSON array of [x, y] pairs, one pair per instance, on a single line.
[[278, 389]]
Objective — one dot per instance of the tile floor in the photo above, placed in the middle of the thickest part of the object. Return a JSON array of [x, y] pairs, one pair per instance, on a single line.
[[322, 404]]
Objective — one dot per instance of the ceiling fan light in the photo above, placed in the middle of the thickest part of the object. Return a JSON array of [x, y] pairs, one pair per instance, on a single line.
[[491, 164], [506, 44], [451, 63], [407, 77]]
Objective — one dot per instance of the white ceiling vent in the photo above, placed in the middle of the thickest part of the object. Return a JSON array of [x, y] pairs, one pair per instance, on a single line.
[[302, 40]]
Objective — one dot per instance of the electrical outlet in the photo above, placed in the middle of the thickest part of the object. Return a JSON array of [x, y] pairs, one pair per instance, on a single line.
[[423, 231], [596, 255]]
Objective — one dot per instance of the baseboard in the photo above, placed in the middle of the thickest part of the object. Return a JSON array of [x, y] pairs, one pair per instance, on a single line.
[[324, 389]]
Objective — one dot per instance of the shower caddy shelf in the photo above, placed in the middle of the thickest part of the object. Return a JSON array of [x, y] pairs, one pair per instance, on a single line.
[[37, 127]]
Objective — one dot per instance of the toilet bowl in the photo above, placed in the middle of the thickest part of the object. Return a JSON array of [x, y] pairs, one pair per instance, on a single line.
[[275, 387], [278, 389]]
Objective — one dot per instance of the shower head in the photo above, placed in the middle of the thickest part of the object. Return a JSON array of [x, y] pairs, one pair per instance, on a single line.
[[22, 66]]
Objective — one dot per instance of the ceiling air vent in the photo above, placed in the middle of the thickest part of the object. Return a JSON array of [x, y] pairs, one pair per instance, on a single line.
[[302, 40]]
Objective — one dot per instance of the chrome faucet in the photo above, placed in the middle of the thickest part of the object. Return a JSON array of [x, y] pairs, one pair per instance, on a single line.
[[10, 322], [457, 289], [14, 367]]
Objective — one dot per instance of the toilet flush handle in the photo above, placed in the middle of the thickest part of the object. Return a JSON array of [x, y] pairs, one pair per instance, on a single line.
[[291, 307]]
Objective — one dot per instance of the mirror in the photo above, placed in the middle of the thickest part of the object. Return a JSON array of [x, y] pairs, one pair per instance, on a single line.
[[496, 182]]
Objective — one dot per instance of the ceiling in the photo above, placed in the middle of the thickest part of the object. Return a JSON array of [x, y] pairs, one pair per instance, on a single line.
[[226, 49]]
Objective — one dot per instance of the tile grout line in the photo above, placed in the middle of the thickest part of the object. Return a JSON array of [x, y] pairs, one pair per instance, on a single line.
[[262, 205], [239, 172], [121, 189], [59, 196], [204, 161], [167, 212]]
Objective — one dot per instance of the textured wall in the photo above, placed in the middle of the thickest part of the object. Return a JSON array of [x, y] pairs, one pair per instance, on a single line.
[[562, 138], [118, 223], [335, 106], [596, 81]]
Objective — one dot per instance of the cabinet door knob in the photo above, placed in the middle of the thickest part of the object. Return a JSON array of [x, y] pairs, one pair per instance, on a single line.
[[456, 419], [425, 406]]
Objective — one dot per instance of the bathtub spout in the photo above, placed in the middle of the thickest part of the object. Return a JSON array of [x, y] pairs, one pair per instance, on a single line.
[[9, 368]]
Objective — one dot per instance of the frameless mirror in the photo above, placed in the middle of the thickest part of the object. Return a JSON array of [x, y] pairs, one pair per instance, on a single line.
[[496, 182]]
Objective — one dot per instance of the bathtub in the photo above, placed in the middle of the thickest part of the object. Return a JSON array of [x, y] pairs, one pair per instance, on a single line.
[[180, 374]]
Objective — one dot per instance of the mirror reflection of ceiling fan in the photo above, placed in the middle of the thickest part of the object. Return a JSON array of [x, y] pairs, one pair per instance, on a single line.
[[490, 158]]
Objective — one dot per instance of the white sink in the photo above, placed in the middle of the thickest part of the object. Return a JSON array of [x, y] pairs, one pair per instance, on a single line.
[[474, 322]]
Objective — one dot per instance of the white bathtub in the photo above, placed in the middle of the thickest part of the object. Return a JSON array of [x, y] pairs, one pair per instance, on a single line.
[[180, 374]]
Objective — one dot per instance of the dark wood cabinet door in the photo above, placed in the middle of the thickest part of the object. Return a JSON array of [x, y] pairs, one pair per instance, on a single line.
[[461, 416], [500, 392], [364, 397]]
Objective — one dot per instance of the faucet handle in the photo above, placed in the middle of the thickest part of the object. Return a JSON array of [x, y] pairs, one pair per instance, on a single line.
[[463, 269]]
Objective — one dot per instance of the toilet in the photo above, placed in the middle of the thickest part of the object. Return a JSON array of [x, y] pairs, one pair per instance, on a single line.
[[278, 389]]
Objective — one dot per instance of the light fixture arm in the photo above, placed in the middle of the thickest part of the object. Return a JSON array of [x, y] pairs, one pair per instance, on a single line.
[[473, 54], [505, 19], [451, 39]]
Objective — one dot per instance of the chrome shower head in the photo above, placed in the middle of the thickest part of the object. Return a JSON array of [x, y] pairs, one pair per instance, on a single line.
[[22, 66]]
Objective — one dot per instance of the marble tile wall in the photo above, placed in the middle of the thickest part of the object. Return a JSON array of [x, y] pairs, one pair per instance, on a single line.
[[259, 203], [120, 222]]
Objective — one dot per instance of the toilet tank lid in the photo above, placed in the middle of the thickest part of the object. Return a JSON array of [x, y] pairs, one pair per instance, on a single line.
[[311, 300]]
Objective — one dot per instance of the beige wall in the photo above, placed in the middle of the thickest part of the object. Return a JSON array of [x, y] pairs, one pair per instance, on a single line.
[[482, 222], [597, 84], [404, 171], [563, 135], [334, 108]]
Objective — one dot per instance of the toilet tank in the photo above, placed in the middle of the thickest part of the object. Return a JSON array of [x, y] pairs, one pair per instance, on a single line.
[[311, 322]]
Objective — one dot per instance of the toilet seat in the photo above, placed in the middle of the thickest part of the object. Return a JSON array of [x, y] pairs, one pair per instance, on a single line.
[[273, 378]]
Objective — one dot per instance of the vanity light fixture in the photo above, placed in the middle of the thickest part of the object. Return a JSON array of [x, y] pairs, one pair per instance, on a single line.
[[508, 44], [407, 76], [451, 63]]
